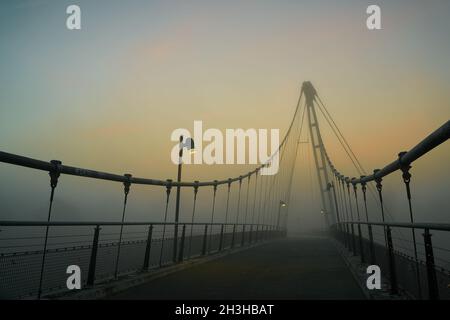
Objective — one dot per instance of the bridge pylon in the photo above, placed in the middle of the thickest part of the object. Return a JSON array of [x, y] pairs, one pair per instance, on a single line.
[[318, 151]]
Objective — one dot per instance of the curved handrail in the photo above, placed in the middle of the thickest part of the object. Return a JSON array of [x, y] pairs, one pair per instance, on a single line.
[[82, 172], [436, 138]]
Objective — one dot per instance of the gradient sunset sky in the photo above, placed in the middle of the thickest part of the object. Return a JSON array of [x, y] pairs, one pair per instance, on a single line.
[[108, 96]]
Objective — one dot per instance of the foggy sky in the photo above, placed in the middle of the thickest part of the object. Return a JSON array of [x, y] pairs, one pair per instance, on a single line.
[[108, 96]]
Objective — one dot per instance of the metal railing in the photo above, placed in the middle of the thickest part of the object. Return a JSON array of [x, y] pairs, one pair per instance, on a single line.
[[252, 222], [203, 238], [348, 215], [145, 246], [400, 265], [20, 270]]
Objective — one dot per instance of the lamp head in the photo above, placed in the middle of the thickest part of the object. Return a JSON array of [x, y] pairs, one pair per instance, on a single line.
[[189, 145]]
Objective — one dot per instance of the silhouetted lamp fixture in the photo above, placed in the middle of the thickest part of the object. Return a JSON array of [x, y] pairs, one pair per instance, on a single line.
[[189, 145]]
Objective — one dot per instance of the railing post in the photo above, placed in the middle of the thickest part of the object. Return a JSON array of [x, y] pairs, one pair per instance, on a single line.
[[181, 252], [243, 236], [93, 260], [391, 259], [148, 248], [361, 245], [348, 236], [372, 248], [232, 236], [355, 252], [250, 235], [433, 290], [342, 234], [221, 239], [205, 239]]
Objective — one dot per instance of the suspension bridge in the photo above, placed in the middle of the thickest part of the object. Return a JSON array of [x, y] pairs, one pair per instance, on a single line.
[[243, 250]]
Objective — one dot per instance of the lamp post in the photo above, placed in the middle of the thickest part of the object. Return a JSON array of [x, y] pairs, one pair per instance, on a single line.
[[282, 204], [189, 145]]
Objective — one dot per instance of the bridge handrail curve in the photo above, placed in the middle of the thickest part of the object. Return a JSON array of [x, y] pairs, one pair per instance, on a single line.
[[23, 161], [436, 138]]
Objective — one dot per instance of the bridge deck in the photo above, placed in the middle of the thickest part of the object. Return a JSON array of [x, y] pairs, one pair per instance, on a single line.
[[293, 268]]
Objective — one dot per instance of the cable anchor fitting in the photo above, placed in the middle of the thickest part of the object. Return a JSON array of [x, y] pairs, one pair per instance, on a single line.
[[405, 168], [378, 180], [353, 181], [215, 186], [54, 173], [168, 188], [363, 186], [127, 183], [196, 182], [406, 175]]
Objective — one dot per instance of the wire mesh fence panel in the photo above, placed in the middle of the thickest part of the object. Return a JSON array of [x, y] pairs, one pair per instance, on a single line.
[[167, 252], [194, 245], [227, 235], [56, 264], [19, 276], [214, 238], [155, 251], [131, 256], [106, 259], [412, 276], [20, 273], [99, 252]]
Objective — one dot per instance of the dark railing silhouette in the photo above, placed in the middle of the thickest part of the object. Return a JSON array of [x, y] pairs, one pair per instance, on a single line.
[[403, 269], [369, 250], [21, 270], [250, 226], [96, 252], [261, 223]]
